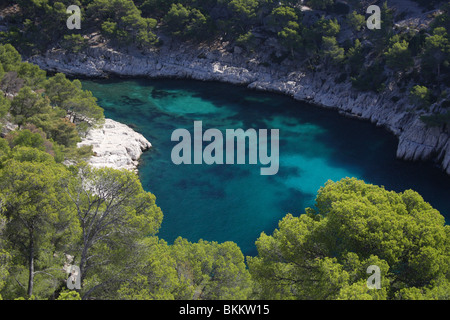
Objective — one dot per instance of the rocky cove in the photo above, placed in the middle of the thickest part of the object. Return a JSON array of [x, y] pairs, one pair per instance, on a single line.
[[226, 63]]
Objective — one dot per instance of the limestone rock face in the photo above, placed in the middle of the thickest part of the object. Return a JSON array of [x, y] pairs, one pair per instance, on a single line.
[[115, 145], [416, 142], [7, 127]]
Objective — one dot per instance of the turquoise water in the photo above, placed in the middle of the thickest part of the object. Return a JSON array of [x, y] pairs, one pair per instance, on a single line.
[[234, 202]]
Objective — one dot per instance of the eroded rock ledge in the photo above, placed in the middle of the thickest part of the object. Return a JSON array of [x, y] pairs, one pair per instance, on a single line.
[[416, 141], [115, 145]]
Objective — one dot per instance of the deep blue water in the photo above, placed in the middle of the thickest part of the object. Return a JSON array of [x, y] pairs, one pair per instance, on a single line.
[[234, 202]]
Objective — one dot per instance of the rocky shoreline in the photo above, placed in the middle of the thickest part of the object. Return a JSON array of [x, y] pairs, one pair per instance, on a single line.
[[227, 64], [115, 145]]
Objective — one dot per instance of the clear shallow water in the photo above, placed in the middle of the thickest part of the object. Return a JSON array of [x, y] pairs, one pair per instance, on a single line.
[[234, 202]]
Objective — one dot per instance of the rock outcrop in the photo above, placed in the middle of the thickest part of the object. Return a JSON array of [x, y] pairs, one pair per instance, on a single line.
[[115, 145], [389, 109]]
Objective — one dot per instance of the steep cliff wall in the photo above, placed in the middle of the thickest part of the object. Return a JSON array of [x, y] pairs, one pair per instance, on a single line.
[[416, 141]]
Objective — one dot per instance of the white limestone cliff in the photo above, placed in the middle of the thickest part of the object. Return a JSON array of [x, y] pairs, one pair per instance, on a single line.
[[416, 141]]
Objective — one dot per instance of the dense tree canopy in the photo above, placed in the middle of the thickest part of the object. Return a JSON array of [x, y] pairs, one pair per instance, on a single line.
[[141, 23], [324, 254], [121, 20], [398, 55], [57, 107], [107, 223], [40, 221], [185, 270], [186, 22]]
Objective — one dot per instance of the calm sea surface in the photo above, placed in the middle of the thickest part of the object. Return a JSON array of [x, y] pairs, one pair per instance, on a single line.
[[234, 202]]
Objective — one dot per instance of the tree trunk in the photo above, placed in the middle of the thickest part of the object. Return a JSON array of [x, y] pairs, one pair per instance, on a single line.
[[82, 265], [31, 268]]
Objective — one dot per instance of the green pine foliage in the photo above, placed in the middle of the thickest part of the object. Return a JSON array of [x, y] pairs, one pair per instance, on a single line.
[[324, 253], [55, 107], [108, 224], [398, 55]]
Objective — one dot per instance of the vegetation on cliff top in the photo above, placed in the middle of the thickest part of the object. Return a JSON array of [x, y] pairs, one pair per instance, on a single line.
[[333, 35], [51, 113]]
